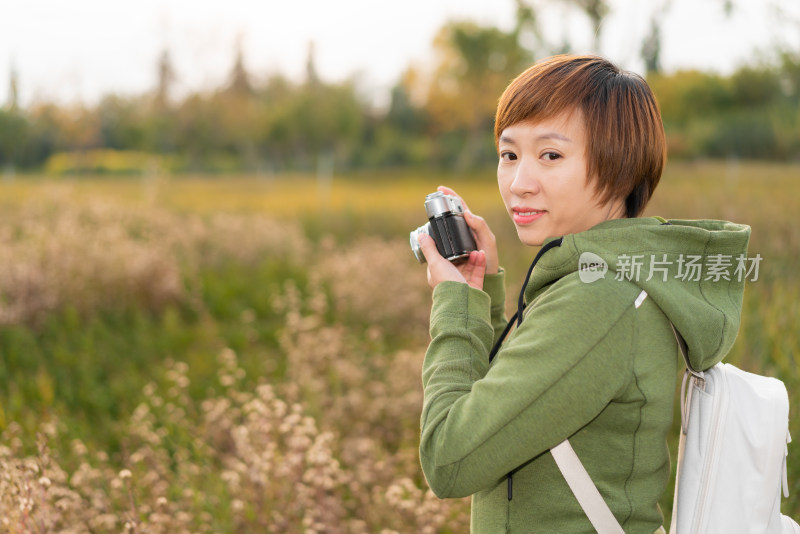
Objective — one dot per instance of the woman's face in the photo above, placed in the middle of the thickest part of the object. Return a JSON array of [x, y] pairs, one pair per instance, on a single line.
[[543, 181]]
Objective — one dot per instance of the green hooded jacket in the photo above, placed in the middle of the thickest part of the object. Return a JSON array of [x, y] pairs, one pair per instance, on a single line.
[[594, 360]]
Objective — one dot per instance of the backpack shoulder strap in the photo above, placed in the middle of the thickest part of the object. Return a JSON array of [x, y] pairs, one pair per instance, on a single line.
[[584, 489]]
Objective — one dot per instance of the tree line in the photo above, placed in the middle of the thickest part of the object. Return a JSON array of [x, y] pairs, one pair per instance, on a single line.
[[439, 115]]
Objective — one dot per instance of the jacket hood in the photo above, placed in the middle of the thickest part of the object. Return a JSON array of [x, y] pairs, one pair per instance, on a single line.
[[694, 270]]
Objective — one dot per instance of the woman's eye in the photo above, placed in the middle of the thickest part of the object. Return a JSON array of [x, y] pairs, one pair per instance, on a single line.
[[551, 156], [508, 156]]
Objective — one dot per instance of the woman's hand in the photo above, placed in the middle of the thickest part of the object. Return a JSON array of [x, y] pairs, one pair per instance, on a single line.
[[484, 238], [441, 270]]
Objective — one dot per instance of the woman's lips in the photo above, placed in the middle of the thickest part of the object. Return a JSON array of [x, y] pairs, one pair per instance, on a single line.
[[524, 216]]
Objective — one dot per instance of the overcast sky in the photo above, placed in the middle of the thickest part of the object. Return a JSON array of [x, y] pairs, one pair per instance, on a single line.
[[78, 50]]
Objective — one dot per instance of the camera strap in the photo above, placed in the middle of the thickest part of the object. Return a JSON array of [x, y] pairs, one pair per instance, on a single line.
[[517, 319], [521, 304]]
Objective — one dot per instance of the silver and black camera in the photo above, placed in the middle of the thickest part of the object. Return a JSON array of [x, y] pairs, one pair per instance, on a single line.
[[447, 227]]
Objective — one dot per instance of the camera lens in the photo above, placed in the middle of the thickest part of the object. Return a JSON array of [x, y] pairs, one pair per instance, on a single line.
[[414, 241]]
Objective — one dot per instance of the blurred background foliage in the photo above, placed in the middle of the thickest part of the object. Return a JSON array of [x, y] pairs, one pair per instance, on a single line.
[[438, 114], [148, 326]]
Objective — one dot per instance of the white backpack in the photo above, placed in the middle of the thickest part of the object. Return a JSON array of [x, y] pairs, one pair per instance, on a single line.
[[731, 458]]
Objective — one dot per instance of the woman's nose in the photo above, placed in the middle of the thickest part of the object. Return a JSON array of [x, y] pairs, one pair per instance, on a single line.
[[525, 181]]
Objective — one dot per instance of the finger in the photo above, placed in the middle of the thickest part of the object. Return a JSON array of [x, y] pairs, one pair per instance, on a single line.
[[484, 239], [476, 270], [468, 267], [475, 222], [478, 225], [439, 269], [428, 247]]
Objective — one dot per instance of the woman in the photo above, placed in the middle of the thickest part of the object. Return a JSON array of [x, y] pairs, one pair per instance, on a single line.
[[593, 358]]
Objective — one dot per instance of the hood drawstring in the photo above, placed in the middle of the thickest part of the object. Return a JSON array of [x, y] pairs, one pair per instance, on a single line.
[[517, 318], [521, 304]]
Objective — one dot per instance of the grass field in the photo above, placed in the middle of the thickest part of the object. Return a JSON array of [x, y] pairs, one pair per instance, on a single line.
[[194, 354]]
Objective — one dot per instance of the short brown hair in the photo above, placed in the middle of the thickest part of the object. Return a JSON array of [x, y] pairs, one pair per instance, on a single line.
[[626, 148]]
